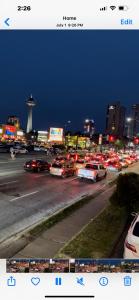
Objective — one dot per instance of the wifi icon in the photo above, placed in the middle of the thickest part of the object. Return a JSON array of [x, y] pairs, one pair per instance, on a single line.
[[112, 7]]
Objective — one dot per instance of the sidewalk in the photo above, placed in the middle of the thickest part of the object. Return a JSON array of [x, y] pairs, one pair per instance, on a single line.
[[51, 241]]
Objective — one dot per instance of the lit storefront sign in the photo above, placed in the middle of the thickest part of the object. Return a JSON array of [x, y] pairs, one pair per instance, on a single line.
[[20, 133], [75, 141], [42, 136]]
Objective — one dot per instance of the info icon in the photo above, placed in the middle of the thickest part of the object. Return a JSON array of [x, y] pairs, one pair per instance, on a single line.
[[103, 281]]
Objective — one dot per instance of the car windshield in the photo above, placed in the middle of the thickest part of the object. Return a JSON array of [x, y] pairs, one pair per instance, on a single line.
[[91, 167], [136, 229], [58, 166]]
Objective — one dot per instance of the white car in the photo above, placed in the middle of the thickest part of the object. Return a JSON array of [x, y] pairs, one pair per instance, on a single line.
[[131, 245], [20, 150], [62, 169], [92, 171]]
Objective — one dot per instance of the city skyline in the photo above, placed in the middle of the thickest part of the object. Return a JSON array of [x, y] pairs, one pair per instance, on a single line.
[[72, 75]]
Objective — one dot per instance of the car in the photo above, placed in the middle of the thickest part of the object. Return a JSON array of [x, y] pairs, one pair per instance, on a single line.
[[123, 163], [72, 156], [40, 149], [129, 161], [80, 163], [114, 166], [62, 169], [133, 158], [131, 245], [37, 165], [92, 171], [60, 158], [20, 150]]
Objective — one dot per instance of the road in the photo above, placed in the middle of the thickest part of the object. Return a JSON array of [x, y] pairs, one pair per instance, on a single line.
[[27, 198]]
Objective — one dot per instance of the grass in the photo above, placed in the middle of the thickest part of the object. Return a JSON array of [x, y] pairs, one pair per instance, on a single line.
[[60, 215], [99, 237]]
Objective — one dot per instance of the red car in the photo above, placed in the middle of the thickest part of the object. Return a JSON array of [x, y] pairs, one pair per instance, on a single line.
[[37, 165], [113, 166]]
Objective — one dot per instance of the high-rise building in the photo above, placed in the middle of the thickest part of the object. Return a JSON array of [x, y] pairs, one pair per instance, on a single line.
[[89, 127], [14, 121], [135, 119], [30, 103], [115, 119]]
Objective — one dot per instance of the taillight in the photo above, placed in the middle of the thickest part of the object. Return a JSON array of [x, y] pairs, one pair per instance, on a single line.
[[76, 157], [33, 165], [130, 247], [68, 156]]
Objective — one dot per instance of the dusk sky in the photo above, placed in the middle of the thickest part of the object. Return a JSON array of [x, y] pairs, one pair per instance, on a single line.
[[73, 75]]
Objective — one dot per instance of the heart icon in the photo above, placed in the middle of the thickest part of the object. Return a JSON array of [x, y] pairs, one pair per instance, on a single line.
[[35, 280]]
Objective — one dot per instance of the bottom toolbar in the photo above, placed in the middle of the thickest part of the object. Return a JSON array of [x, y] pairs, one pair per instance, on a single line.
[[69, 279]]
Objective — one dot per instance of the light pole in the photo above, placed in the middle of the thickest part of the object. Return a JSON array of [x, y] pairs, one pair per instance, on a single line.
[[65, 127], [129, 121], [67, 124]]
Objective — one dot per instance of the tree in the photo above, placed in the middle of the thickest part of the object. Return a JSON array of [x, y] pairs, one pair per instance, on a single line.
[[119, 144], [127, 192]]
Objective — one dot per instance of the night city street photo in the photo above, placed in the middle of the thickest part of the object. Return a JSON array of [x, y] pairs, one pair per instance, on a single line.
[[69, 149]]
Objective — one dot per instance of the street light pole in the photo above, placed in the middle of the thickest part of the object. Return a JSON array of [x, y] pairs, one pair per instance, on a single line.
[[129, 120], [65, 126]]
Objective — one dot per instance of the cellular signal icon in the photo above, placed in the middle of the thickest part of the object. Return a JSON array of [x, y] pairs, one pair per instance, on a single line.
[[103, 8], [112, 7]]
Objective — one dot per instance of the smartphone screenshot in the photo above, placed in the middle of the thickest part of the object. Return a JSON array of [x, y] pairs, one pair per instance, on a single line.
[[69, 149]]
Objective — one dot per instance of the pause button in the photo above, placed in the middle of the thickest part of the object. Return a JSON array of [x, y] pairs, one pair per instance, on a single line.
[[58, 281]]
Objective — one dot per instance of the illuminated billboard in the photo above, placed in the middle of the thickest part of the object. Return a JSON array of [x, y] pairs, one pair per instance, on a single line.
[[10, 130], [56, 135]]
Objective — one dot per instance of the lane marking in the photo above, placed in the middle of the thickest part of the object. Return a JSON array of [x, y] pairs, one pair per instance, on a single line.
[[23, 196], [8, 182]]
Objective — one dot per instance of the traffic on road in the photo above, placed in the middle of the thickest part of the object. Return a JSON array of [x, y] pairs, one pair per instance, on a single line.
[[39, 183]]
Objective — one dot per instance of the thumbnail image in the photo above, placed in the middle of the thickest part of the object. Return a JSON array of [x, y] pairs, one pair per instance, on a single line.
[[59, 265], [86, 266], [39, 266], [17, 266]]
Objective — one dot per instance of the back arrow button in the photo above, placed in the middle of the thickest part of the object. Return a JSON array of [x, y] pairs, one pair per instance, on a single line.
[[7, 21]]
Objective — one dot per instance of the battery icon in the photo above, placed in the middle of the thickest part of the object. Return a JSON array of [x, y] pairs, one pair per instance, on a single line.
[[123, 7]]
